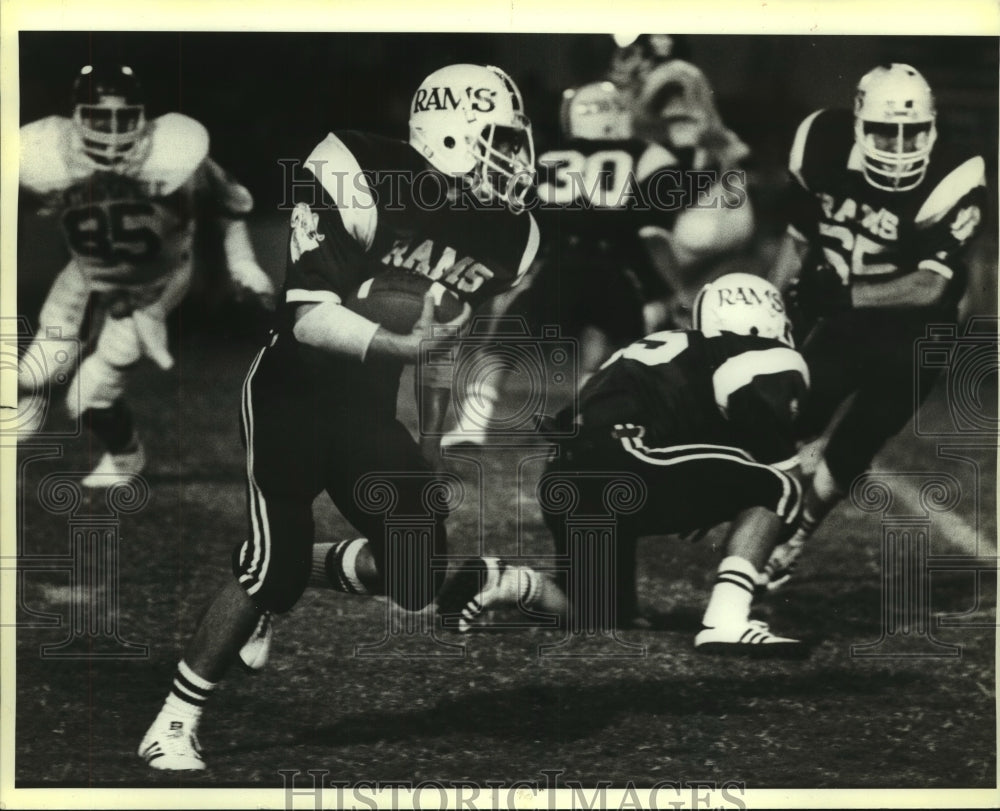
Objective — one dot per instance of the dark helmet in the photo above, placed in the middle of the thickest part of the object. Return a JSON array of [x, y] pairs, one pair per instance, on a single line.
[[109, 112]]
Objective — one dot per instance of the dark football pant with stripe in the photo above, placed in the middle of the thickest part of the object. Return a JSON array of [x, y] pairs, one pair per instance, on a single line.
[[871, 354], [301, 442], [688, 488]]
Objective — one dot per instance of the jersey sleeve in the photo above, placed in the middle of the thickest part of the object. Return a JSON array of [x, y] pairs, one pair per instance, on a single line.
[[332, 226], [951, 218], [221, 192], [759, 393], [801, 205], [43, 144]]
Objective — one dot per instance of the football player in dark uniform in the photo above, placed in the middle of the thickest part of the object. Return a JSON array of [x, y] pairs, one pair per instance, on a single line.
[[595, 190], [704, 417], [672, 103], [319, 401], [884, 210]]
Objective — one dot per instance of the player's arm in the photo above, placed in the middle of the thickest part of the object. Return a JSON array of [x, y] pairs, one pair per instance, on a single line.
[[946, 225], [759, 393], [919, 289], [230, 203], [332, 327], [942, 240]]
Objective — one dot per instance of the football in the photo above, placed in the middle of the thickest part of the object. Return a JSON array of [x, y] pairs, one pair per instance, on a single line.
[[395, 300]]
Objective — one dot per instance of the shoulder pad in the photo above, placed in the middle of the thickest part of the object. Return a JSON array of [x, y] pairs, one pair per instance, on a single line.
[[178, 146], [822, 144], [741, 370], [950, 189], [44, 146], [338, 170]]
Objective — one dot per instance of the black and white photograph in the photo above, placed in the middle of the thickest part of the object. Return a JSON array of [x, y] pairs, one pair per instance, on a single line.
[[509, 411]]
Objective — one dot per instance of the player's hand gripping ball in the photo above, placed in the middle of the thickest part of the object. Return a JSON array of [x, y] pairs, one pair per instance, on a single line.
[[395, 300]]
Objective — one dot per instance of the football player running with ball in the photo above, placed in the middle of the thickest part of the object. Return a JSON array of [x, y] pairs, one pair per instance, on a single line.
[[704, 417], [126, 192], [319, 400], [884, 211]]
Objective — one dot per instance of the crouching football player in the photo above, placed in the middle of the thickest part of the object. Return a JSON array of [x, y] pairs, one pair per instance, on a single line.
[[704, 417]]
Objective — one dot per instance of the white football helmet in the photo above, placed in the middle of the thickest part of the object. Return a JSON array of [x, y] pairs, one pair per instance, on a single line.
[[744, 304], [596, 111], [894, 126], [109, 113], [469, 121]]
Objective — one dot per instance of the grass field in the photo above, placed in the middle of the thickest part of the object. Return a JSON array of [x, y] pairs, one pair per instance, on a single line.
[[500, 712]]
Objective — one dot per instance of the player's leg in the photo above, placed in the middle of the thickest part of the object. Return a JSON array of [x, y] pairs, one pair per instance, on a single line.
[[703, 486], [55, 350], [478, 395], [407, 566], [884, 403], [601, 457], [285, 464], [96, 395]]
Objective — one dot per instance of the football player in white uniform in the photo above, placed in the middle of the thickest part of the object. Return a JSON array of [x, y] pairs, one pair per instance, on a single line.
[[125, 192], [884, 211]]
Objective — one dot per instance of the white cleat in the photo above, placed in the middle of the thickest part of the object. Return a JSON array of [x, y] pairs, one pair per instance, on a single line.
[[257, 649], [781, 565], [116, 468], [171, 744], [482, 584], [752, 639]]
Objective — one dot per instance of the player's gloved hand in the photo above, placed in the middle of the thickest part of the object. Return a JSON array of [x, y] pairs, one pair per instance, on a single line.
[[818, 292], [252, 282]]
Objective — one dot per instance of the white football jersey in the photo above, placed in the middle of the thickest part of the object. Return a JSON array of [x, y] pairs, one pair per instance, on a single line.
[[131, 227]]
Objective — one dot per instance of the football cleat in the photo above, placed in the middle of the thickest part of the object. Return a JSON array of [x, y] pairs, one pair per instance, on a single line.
[[257, 649], [171, 743], [781, 565], [481, 584], [752, 639], [116, 468]]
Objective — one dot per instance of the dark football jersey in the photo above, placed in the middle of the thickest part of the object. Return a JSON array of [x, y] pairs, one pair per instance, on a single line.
[[594, 196], [365, 204], [684, 388], [874, 235]]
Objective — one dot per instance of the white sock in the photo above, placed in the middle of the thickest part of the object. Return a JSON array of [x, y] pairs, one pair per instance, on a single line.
[[732, 593], [188, 695], [334, 565]]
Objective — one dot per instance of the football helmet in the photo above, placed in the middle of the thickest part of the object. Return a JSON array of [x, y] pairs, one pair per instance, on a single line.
[[894, 126], [595, 111], [468, 121], [637, 54], [109, 113], [744, 304]]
